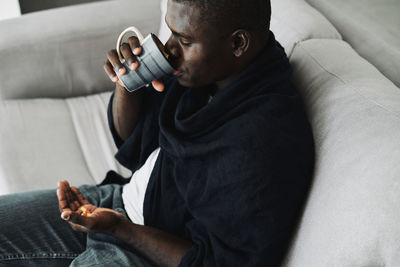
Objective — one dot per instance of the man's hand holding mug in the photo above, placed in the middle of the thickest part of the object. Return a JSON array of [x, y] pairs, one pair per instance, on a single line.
[[138, 62]]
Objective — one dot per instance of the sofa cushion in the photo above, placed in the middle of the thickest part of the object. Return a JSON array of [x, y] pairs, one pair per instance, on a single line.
[[371, 27], [291, 21], [68, 46], [46, 140], [352, 214]]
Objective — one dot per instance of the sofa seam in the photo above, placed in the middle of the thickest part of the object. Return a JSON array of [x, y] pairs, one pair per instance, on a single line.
[[346, 83]]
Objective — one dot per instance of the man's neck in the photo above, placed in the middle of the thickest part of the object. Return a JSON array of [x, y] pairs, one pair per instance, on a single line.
[[224, 83]]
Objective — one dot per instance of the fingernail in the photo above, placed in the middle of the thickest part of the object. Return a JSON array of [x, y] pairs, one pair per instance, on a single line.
[[136, 51], [121, 71], [65, 218], [114, 79]]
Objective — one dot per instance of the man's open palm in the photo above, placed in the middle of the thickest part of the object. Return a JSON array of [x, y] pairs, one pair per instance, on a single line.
[[70, 201]]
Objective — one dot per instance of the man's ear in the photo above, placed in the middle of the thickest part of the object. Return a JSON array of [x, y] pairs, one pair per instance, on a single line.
[[240, 42]]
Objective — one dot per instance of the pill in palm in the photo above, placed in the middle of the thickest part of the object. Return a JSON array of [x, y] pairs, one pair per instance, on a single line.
[[84, 211]]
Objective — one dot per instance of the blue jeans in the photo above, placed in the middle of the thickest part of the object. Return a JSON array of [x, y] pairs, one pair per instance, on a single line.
[[32, 232]]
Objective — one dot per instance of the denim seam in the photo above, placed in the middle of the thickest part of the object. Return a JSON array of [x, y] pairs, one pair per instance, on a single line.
[[27, 256]]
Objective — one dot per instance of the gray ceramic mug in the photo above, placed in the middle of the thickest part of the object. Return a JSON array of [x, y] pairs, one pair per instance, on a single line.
[[153, 61]]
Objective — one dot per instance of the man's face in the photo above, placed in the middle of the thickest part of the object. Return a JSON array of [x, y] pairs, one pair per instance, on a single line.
[[198, 51]]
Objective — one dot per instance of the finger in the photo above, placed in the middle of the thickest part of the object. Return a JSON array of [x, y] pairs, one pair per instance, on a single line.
[[73, 221], [66, 214], [71, 216], [79, 228], [63, 198], [135, 46], [114, 60], [110, 71], [82, 200], [73, 201], [129, 57], [62, 202], [77, 219], [158, 85]]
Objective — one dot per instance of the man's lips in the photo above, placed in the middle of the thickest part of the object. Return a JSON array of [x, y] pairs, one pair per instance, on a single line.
[[177, 73]]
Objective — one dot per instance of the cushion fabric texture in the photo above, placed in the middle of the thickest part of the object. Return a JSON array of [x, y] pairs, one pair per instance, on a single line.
[[46, 140], [352, 214], [371, 27]]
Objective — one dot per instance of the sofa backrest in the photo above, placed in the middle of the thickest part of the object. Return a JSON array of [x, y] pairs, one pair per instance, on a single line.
[[371, 27], [68, 46], [352, 214], [293, 21]]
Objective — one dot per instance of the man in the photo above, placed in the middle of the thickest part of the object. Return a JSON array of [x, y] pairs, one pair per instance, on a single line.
[[222, 156]]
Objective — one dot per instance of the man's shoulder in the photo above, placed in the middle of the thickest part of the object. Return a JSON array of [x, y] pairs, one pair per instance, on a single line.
[[270, 118]]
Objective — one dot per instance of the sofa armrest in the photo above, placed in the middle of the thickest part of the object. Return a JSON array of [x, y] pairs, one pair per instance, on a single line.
[[60, 53]]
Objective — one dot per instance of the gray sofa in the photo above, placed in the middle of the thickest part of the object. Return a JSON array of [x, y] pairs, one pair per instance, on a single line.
[[54, 96]]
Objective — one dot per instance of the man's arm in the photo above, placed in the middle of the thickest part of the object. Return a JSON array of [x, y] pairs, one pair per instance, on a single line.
[[159, 247], [126, 107]]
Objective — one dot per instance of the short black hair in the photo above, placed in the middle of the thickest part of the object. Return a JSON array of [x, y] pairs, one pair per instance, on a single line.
[[229, 15]]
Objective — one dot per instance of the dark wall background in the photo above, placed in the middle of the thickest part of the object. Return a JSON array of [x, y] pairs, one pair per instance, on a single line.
[[36, 5]]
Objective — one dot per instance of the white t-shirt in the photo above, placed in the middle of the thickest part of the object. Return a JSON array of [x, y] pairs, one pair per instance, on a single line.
[[133, 193]]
